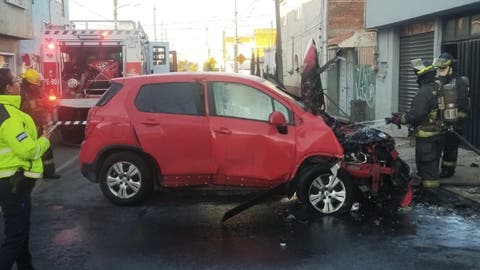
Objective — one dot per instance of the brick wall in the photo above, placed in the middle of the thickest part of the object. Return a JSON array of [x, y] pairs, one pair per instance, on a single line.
[[345, 16]]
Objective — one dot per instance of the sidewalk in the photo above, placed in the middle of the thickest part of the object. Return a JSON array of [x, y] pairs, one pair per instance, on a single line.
[[465, 184]]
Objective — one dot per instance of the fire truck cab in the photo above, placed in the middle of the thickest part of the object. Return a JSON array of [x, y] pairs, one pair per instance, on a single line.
[[79, 60]]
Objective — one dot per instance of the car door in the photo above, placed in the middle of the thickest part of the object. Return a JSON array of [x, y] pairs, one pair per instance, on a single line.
[[247, 150], [172, 126]]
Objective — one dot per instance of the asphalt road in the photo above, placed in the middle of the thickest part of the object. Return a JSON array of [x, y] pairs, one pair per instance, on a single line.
[[75, 227]]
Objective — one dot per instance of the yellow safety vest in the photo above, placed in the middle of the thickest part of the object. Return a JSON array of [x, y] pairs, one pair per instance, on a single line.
[[20, 149]]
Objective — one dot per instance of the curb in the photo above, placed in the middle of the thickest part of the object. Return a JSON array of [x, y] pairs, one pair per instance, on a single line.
[[445, 195]]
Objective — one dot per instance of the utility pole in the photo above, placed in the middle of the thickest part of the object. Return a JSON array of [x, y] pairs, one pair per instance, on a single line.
[[235, 42], [278, 42], [115, 7], [154, 20], [324, 34]]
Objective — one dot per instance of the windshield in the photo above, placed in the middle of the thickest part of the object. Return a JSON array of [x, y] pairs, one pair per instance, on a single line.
[[279, 90]]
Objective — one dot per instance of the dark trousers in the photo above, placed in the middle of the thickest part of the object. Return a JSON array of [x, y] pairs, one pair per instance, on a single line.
[[16, 209], [427, 156], [48, 164], [450, 152]]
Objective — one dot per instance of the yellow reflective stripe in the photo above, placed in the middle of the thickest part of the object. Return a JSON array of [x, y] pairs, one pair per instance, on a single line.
[[33, 174], [7, 174], [5, 151], [423, 134], [37, 154], [449, 163]]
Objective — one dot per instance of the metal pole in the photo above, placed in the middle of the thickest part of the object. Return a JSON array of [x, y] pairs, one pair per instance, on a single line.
[[278, 42], [235, 42], [324, 34], [154, 20], [115, 7]]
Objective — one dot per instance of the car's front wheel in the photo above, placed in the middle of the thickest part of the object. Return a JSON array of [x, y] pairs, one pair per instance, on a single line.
[[125, 179], [325, 193]]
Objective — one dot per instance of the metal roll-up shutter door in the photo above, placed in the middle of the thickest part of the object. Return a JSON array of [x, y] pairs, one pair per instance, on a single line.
[[411, 47], [469, 65]]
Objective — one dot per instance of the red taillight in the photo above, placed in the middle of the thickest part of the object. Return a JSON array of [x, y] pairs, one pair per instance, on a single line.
[[104, 34], [52, 98]]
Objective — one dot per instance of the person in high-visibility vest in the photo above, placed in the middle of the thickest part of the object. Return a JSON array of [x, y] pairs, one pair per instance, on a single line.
[[20, 166], [423, 115], [34, 103]]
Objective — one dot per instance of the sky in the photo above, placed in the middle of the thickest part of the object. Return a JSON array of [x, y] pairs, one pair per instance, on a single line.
[[193, 27]]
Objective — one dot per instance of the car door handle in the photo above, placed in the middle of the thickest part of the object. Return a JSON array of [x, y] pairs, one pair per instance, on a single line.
[[150, 122], [223, 131]]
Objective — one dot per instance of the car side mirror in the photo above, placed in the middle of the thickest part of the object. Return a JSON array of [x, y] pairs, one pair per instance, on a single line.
[[278, 120]]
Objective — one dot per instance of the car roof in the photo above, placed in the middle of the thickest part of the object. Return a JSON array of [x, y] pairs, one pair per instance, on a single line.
[[191, 75]]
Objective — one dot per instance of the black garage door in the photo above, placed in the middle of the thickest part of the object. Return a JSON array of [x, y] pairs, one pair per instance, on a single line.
[[411, 47]]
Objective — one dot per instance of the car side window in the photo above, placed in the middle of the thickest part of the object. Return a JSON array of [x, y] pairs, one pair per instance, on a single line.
[[177, 98], [242, 101]]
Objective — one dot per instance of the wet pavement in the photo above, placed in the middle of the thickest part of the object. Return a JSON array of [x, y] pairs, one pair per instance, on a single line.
[[75, 227]]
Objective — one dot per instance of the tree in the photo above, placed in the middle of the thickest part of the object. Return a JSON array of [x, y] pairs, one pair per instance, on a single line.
[[185, 65], [209, 65]]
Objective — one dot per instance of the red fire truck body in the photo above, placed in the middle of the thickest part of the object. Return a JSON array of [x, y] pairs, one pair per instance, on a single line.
[[80, 59]]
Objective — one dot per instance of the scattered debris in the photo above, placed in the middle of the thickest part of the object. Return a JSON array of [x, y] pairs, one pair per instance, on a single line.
[[474, 165], [290, 218], [355, 207]]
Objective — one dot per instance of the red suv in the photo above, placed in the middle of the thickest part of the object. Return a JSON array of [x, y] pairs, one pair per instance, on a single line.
[[208, 129]]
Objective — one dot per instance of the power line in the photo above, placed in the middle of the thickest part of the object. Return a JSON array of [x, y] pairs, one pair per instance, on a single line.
[[89, 9]]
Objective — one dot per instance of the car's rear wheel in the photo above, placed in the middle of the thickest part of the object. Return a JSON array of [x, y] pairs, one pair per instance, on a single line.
[[125, 179], [325, 193]]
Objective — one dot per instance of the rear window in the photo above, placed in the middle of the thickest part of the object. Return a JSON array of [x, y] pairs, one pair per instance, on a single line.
[[109, 94], [176, 98]]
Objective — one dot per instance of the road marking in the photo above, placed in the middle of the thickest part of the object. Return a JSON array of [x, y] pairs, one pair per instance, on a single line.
[[66, 164]]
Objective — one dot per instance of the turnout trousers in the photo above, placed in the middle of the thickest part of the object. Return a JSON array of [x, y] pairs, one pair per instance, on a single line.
[[428, 151], [450, 152]]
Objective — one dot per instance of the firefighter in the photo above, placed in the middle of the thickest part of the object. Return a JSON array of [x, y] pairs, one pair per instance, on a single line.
[[423, 116], [455, 90], [35, 103], [20, 166]]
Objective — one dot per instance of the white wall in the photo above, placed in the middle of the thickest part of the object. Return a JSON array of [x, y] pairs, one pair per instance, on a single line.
[[301, 22]]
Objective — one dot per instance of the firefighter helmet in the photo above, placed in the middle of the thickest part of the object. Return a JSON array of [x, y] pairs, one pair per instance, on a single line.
[[443, 61], [32, 77], [421, 68]]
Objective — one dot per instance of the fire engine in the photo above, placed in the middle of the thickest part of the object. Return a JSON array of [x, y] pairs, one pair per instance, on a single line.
[[80, 58]]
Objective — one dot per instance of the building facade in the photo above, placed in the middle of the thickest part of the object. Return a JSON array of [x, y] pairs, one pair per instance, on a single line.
[[15, 25], [345, 81], [51, 12], [431, 27]]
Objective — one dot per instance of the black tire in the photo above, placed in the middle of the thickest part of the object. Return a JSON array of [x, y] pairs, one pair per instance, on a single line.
[[314, 191], [125, 179]]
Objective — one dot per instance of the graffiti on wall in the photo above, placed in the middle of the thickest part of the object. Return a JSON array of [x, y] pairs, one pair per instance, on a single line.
[[364, 83]]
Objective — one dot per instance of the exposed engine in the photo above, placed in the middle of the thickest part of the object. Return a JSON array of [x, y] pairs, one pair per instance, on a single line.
[[370, 157]]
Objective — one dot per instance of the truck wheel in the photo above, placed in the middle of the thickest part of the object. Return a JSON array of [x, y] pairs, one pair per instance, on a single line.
[[125, 179], [321, 192]]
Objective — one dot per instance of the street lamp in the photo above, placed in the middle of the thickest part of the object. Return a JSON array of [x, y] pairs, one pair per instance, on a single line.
[[116, 7]]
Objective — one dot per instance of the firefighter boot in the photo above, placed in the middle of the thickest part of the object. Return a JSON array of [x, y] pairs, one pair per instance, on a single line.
[[446, 173]]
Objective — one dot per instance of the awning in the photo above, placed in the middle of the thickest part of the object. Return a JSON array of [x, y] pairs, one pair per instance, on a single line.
[[357, 39]]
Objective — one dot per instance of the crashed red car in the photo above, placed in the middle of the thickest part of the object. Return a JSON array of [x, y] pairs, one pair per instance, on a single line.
[[209, 129]]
